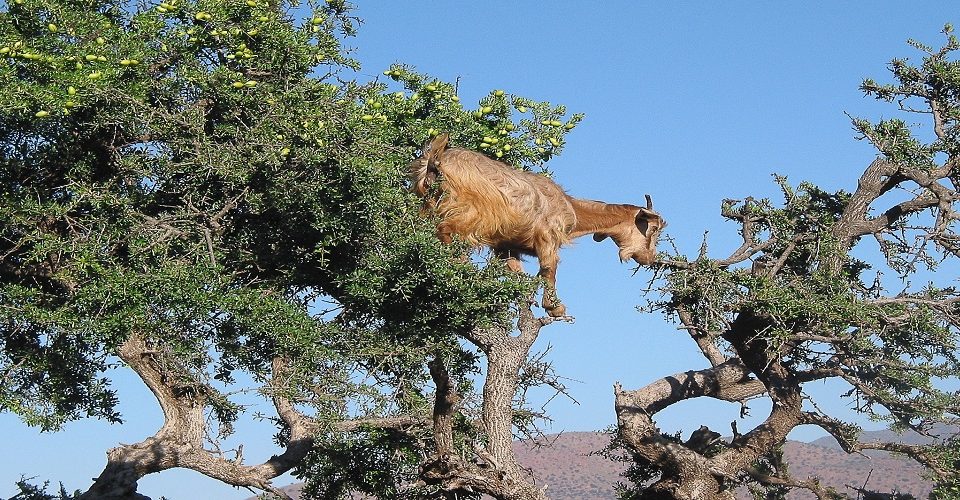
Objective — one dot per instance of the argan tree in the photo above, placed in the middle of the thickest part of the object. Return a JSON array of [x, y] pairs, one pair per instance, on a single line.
[[856, 286], [200, 192]]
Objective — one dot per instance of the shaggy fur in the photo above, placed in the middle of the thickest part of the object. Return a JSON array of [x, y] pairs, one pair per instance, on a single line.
[[488, 203]]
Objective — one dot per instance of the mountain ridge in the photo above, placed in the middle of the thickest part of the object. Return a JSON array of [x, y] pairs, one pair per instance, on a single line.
[[569, 466]]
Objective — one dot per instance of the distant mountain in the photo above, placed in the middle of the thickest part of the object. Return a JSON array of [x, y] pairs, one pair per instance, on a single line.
[[568, 466], [571, 473], [941, 431]]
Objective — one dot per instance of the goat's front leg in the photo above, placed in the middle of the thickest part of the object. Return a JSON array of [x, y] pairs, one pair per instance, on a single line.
[[548, 271]]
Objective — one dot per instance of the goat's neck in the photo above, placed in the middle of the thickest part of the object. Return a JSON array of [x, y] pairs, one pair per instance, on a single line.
[[596, 216]]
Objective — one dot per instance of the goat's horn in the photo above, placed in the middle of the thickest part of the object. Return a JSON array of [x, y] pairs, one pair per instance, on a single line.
[[649, 201]]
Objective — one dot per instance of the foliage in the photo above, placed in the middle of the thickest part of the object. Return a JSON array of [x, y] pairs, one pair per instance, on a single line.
[[947, 457], [29, 491], [208, 176], [367, 462], [770, 464], [638, 471]]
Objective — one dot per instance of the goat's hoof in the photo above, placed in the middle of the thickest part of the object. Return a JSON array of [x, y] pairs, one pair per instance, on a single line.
[[546, 320], [557, 311]]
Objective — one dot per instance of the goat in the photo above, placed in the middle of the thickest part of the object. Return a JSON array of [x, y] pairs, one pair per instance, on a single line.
[[514, 213]]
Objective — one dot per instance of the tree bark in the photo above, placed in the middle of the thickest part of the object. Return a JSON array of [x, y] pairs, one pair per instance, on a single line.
[[494, 470], [179, 442]]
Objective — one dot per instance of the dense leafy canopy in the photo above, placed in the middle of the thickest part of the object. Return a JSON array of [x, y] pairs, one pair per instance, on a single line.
[[209, 177]]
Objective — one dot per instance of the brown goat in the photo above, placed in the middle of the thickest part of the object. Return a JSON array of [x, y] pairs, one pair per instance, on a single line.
[[488, 203]]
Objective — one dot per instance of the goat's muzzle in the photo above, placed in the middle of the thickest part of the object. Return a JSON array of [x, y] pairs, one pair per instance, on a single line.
[[643, 258]]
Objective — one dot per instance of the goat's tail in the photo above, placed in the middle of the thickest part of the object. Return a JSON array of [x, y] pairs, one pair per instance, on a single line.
[[425, 169]]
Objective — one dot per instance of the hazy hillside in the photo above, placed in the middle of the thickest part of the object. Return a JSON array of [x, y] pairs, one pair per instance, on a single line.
[[572, 474], [570, 470]]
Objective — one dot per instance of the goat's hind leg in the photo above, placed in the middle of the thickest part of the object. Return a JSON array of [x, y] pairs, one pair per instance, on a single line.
[[512, 259], [509, 257]]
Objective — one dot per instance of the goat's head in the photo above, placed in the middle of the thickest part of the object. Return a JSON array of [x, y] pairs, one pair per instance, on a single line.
[[637, 237]]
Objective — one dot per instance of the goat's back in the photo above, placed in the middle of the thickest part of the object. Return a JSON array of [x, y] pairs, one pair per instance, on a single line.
[[489, 203]]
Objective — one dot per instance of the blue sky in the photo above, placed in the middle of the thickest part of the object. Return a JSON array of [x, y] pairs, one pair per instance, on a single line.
[[691, 102]]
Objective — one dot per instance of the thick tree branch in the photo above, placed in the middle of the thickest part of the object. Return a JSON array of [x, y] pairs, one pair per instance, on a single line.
[[729, 381], [496, 471], [444, 406], [179, 442]]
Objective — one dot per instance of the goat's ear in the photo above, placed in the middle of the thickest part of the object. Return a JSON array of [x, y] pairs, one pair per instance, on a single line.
[[643, 219], [435, 146], [644, 216], [600, 236]]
